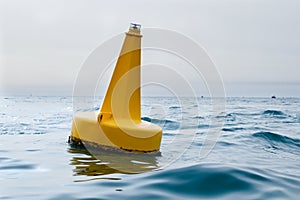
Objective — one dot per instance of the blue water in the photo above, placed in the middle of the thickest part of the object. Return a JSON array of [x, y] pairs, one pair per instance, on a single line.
[[257, 155]]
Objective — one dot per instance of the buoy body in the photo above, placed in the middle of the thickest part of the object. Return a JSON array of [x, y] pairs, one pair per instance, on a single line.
[[118, 123]]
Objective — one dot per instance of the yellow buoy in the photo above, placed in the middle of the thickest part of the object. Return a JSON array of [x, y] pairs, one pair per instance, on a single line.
[[118, 123]]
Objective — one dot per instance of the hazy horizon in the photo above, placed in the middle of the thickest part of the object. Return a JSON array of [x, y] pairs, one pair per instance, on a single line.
[[232, 91]]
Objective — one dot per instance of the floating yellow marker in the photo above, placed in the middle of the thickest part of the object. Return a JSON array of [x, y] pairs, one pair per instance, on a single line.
[[119, 124]]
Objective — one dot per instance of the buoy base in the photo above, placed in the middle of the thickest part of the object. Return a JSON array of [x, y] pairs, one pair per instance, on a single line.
[[134, 137], [97, 148]]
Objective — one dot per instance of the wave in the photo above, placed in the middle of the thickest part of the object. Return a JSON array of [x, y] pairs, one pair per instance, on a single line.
[[164, 123], [174, 107], [273, 112], [226, 144], [213, 181], [11, 164], [198, 117], [243, 114], [232, 129], [277, 138], [202, 181], [203, 126], [169, 134]]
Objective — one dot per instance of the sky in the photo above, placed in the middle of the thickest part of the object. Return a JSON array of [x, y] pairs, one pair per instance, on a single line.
[[254, 43]]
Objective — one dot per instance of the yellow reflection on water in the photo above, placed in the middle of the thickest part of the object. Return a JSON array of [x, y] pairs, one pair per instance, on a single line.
[[101, 163]]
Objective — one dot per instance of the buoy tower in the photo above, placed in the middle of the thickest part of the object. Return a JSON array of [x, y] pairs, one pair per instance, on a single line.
[[118, 124]]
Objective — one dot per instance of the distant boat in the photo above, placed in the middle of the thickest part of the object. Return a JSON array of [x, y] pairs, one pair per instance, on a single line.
[[273, 97]]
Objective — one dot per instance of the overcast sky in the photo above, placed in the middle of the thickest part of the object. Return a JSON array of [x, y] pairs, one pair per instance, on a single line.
[[254, 43]]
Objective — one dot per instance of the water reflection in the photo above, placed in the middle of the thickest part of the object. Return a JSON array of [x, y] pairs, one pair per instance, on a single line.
[[109, 162]]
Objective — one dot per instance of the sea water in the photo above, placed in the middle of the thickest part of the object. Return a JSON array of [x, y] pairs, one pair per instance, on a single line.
[[255, 153]]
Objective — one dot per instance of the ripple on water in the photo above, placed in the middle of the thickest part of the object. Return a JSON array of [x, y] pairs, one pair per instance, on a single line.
[[205, 181], [165, 124], [277, 140], [174, 107], [11, 164], [232, 129], [270, 136], [273, 112]]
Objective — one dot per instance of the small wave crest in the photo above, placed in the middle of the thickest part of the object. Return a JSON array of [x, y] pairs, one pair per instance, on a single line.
[[165, 123], [232, 129], [277, 138], [174, 107], [198, 117], [273, 112]]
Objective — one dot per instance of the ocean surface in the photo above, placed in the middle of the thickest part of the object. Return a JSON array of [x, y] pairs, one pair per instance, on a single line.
[[254, 152]]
